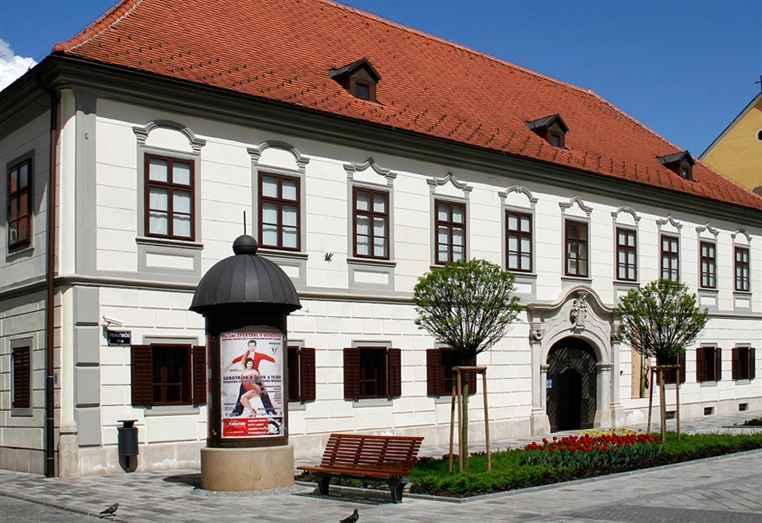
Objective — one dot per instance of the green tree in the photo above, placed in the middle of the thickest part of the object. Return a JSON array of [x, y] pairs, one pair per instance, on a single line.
[[467, 305], [660, 320]]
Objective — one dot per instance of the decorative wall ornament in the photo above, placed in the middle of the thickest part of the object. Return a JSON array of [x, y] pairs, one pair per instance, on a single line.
[[669, 219], [355, 167], [628, 210], [707, 227], [142, 132], [742, 232], [256, 152], [448, 178], [576, 199], [579, 311], [519, 189]]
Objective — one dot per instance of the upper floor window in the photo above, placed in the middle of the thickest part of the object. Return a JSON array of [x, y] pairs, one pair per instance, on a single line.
[[450, 227], [743, 363], [626, 255], [168, 374], [169, 197], [742, 268], [708, 364], [301, 374], [279, 208], [670, 258], [20, 204], [576, 255], [680, 163], [708, 259], [372, 372], [371, 223], [518, 238]]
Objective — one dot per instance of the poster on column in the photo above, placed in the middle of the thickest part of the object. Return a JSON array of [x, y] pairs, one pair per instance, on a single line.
[[252, 383]]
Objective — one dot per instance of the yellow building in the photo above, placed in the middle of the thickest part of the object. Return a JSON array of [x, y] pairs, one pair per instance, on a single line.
[[737, 152]]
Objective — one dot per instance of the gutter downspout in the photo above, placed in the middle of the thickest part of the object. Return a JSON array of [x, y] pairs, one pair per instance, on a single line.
[[50, 429]]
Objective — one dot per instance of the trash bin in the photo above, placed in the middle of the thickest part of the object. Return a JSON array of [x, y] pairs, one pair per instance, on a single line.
[[127, 438]]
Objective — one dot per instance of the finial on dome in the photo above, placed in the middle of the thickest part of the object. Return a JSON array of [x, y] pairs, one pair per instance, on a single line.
[[245, 244]]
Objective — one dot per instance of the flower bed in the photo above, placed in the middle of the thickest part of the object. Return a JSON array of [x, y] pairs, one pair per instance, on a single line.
[[584, 455]]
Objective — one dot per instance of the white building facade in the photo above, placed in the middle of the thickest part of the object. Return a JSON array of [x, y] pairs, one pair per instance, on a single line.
[[153, 182]]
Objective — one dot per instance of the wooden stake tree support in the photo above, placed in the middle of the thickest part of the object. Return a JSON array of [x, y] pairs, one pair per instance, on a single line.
[[663, 399], [462, 401]]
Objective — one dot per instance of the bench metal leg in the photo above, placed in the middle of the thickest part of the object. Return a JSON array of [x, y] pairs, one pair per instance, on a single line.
[[396, 486], [323, 480]]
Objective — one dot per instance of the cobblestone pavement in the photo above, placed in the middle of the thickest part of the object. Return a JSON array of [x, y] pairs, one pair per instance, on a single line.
[[727, 488]]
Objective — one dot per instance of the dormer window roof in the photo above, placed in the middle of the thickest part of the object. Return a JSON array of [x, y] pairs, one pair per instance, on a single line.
[[679, 163], [552, 129], [358, 78]]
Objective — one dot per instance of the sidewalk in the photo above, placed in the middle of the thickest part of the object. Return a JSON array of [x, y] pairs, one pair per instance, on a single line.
[[719, 489]]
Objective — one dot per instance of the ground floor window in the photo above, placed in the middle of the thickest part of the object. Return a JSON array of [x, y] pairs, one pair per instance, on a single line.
[[708, 364], [440, 378], [21, 378], [670, 376], [301, 374], [168, 374], [372, 372], [743, 363]]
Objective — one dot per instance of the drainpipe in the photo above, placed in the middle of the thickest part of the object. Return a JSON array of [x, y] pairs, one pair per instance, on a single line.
[[50, 428]]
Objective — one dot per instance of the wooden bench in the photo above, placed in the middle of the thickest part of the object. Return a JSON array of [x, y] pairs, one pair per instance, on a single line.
[[365, 456]]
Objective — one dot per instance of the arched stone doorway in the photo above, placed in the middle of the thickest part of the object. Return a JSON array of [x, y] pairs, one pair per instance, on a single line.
[[572, 385]]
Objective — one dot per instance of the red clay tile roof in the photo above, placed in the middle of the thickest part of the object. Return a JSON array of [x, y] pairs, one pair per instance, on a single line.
[[284, 50]]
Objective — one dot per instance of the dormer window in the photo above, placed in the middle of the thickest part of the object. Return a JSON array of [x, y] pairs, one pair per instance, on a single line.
[[358, 78], [552, 129], [679, 163]]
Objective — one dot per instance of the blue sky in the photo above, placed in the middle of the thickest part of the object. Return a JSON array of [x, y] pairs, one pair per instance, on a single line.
[[685, 68]]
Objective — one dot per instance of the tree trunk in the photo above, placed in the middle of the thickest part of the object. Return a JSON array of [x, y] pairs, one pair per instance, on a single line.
[[464, 425], [663, 405]]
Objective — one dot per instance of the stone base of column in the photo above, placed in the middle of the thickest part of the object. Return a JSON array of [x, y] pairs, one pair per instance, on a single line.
[[247, 468], [539, 423]]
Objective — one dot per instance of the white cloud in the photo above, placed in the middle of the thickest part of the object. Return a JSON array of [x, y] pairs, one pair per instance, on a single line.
[[12, 66]]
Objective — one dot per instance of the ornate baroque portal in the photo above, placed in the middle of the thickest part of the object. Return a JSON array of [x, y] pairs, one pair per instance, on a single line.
[[574, 352]]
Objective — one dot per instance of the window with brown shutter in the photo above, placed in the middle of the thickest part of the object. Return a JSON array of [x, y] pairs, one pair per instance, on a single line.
[[21, 381], [301, 374], [168, 374], [439, 374], [743, 363], [670, 376], [708, 364], [372, 372]]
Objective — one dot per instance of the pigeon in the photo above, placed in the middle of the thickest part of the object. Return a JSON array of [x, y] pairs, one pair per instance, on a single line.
[[351, 519], [110, 511]]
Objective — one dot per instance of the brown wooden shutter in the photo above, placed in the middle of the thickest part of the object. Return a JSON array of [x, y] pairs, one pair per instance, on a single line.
[[701, 364], [434, 374], [735, 354], [198, 359], [22, 371], [752, 364], [472, 378], [142, 375], [681, 362], [292, 365], [394, 374], [307, 373], [351, 373], [717, 364]]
